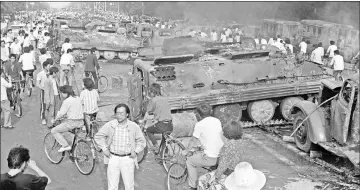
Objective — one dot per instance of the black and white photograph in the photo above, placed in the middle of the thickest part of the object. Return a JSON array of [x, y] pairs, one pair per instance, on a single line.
[[180, 95]]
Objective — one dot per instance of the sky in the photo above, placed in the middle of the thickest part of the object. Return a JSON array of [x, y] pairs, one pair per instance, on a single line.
[[59, 4]]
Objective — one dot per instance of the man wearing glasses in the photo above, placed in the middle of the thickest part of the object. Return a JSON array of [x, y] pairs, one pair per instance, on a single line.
[[121, 140]]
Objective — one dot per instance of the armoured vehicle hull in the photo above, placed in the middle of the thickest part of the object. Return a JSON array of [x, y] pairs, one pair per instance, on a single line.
[[108, 44], [257, 85]]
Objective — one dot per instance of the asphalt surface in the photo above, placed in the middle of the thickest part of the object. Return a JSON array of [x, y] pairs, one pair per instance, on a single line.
[[283, 168]]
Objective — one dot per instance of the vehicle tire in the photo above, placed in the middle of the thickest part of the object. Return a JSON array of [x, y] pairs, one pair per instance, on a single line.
[[176, 178], [261, 111], [286, 106], [172, 153], [142, 155], [301, 136], [51, 147], [84, 156], [102, 84]]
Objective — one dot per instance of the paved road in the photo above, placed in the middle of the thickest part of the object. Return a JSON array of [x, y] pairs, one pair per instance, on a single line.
[[283, 168]]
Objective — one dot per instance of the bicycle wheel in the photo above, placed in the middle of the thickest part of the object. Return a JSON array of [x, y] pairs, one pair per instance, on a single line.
[[172, 153], [142, 155], [102, 84], [29, 88], [51, 147], [84, 157], [176, 178]]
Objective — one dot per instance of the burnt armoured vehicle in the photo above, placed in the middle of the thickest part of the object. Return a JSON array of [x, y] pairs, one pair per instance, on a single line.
[[335, 124], [256, 85], [108, 43]]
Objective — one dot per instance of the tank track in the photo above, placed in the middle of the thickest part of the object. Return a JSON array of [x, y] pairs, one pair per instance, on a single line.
[[249, 124]]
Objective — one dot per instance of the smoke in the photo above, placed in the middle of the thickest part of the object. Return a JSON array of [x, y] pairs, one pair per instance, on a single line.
[[341, 12]]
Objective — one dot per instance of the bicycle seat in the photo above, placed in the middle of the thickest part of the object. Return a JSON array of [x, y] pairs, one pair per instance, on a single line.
[[75, 131]]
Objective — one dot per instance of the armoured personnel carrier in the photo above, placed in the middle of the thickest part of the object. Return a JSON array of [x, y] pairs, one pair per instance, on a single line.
[[257, 85]]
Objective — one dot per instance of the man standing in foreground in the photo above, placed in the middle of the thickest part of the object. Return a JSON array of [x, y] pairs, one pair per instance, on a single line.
[[337, 62], [121, 140], [18, 161]]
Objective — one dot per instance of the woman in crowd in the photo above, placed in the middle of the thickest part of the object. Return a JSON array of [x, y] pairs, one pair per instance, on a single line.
[[230, 155]]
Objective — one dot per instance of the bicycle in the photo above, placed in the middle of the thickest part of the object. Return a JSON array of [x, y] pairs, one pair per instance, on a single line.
[[102, 81], [15, 98], [81, 152], [177, 181], [28, 84], [170, 149]]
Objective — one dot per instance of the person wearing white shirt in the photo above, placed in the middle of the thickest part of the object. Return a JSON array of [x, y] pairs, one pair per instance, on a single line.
[[331, 49], [67, 64], [316, 55], [230, 39], [237, 38], [271, 41], [303, 46], [67, 45], [321, 50], [5, 103], [338, 64], [28, 62], [203, 35], [214, 36], [223, 37], [263, 41], [278, 38], [16, 48], [256, 41], [44, 56], [40, 82], [209, 133], [4, 51], [27, 41]]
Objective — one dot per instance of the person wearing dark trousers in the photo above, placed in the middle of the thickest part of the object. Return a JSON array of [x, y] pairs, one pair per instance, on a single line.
[[92, 66]]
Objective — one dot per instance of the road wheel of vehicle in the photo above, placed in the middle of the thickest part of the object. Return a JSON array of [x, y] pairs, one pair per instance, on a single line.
[[261, 111], [51, 147], [142, 155], [227, 113], [84, 156], [172, 153], [123, 55], [109, 55], [286, 105], [301, 136], [176, 178], [102, 84]]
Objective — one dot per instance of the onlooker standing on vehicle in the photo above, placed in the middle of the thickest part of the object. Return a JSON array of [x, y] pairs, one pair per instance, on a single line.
[[160, 107], [5, 103], [51, 95], [338, 64], [40, 82], [120, 140], [19, 160], [214, 36], [89, 98], [92, 66], [209, 132], [66, 45]]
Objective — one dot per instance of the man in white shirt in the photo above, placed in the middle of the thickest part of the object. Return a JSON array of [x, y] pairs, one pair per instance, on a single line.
[[192, 33], [4, 51], [67, 64], [316, 55], [28, 62], [44, 56], [330, 50], [214, 36], [66, 45], [278, 38], [40, 82], [5, 103], [338, 63], [303, 46], [16, 48], [209, 133]]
